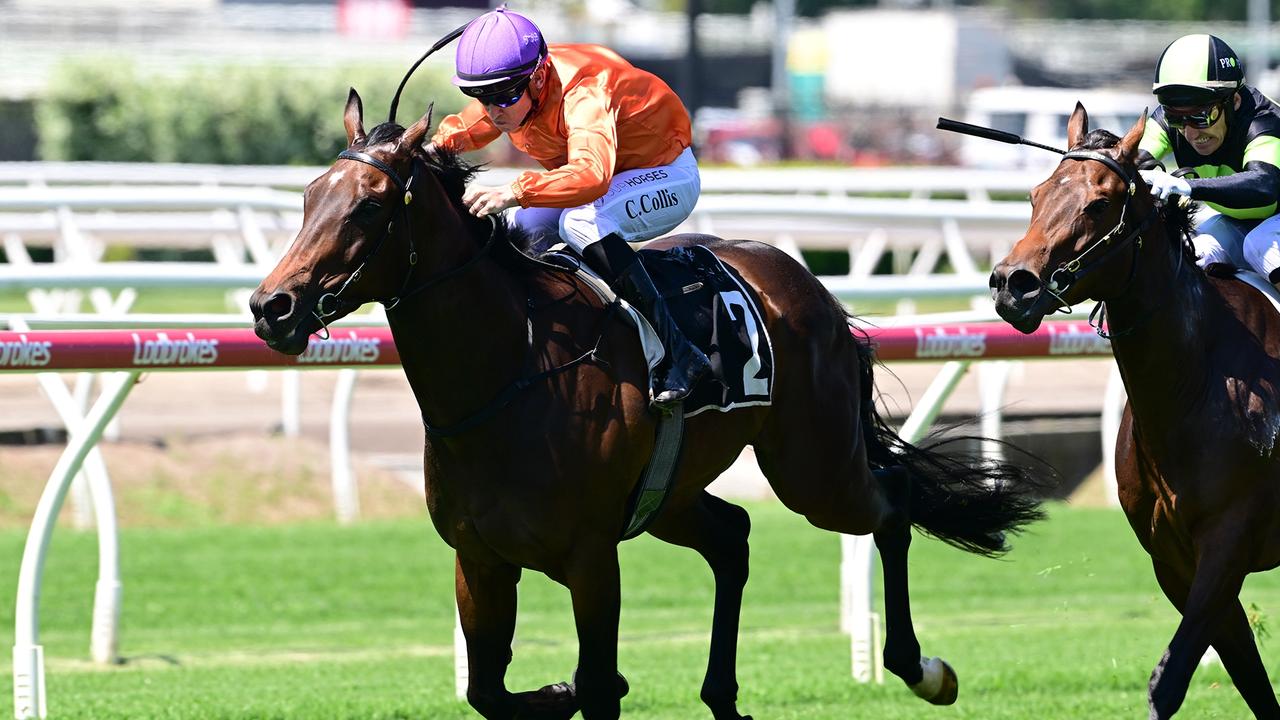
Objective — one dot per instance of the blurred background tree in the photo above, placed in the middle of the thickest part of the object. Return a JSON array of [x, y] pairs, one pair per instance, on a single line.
[[106, 109]]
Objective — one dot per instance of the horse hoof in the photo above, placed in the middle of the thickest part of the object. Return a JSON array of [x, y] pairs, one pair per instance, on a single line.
[[939, 686], [549, 702], [623, 686]]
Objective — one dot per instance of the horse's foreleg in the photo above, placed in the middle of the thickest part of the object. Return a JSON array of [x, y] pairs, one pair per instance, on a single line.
[[1212, 592], [931, 678], [594, 584], [1235, 645], [718, 531], [486, 597]]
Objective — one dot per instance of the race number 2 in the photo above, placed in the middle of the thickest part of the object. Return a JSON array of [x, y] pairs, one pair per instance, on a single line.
[[751, 385]]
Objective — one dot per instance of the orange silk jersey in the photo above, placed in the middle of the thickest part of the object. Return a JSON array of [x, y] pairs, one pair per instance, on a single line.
[[596, 115]]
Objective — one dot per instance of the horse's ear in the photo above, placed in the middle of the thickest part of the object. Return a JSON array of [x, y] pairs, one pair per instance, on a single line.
[[417, 131], [1078, 126], [1129, 144], [353, 118]]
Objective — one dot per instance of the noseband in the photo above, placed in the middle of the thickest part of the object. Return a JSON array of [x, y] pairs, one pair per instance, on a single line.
[[326, 306]]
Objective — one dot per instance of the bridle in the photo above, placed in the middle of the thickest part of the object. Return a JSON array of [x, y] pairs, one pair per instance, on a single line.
[[326, 306], [1115, 240], [1104, 248]]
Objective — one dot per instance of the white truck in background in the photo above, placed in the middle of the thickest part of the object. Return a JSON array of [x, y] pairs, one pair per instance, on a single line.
[[1040, 114]]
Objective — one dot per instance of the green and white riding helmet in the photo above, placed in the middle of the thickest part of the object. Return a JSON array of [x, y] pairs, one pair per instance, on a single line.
[[1197, 70]]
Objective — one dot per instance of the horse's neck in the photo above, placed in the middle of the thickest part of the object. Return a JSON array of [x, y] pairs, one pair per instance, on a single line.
[[463, 340], [1160, 333]]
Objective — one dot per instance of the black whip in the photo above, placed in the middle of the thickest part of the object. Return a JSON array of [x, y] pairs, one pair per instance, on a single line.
[[991, 134], [448, 38]]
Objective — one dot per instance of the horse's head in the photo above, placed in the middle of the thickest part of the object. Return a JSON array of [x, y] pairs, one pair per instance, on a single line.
[[355, 244], [1086, 220]]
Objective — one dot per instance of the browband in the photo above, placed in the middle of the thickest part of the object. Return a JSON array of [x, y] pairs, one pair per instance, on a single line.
[[371, 160], [1104, 159]]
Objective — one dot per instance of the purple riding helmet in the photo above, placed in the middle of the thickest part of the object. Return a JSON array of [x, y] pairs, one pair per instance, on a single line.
[[497, 54]]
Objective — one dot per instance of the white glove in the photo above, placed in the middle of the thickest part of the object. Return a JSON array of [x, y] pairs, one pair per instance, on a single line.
[[1163, 184]]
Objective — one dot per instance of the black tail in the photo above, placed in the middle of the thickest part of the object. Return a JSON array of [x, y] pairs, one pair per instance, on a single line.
[[959, 497]]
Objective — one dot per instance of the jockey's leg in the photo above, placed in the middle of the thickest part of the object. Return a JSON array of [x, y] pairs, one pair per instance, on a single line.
[[640, 205], [1262, 249], [613, 259], [542, 225], [1220, 241]]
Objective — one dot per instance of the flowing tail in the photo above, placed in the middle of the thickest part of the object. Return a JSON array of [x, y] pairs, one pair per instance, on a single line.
[[957, 496]]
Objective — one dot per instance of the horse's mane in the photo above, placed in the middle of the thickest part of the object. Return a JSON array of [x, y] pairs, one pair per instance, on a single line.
[[1260, 428], [1178, 219], [453, 173]]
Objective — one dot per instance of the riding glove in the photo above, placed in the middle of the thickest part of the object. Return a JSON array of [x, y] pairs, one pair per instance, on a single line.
[[1163, 184]]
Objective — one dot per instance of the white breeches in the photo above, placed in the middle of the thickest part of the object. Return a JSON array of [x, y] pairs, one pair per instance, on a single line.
[[1249, 244], [640, 205]]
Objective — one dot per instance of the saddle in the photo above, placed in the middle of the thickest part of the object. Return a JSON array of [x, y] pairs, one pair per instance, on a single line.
[[715, 309], [1248, 277]]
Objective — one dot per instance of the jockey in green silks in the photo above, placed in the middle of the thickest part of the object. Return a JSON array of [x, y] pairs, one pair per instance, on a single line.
[[1224, 136]]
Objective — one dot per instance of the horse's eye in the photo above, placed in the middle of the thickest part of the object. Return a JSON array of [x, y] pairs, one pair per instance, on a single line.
[[1097, 207], [367, 211]]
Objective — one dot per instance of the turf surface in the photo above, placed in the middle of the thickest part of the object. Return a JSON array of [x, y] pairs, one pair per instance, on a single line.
[[317, 621]]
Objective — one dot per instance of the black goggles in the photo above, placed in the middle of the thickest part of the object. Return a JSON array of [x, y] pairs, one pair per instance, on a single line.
[[1201, 119], [503, 95]]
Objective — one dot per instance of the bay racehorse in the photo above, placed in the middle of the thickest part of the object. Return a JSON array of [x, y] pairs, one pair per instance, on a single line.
[[540, 478], [1200, 358]]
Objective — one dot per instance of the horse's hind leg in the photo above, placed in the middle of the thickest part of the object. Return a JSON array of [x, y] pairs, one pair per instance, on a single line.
[[931, 679], [718, 531], [849, 498]]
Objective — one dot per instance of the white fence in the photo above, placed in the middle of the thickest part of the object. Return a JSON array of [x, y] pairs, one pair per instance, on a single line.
[[115, 353], [917, 182], [247, 215], [48, 205]]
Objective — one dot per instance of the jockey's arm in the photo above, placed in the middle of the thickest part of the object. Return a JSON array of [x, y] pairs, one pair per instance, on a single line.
[[470, 129], [592, 156], [1251, 193]]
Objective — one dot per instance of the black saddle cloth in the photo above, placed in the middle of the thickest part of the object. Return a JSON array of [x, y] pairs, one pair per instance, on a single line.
[[719, 313]]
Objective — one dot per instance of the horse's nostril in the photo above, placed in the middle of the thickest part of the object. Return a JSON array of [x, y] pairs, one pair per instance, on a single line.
[[278, 306], [1023, 282], [996, 281]]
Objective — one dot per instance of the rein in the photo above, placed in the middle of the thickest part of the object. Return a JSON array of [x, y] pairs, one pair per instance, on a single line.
[[514, 388]]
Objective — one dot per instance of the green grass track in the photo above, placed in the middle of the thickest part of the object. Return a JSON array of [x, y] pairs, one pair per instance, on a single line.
[[317, 621]]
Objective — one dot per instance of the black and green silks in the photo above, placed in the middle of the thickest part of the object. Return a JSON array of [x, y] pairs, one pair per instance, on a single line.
[[1241, 179]]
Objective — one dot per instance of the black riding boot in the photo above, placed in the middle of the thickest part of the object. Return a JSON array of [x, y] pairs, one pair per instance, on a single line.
[[614, 260]]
